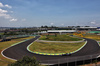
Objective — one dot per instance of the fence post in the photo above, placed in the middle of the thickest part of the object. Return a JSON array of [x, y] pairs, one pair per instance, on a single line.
[[91, 58], [96, 61], [75, 61], [83, 62], [58, 62], [48, 62], [67, 61]]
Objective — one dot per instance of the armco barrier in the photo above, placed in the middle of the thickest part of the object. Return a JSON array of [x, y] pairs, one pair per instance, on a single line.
[[55, 53]]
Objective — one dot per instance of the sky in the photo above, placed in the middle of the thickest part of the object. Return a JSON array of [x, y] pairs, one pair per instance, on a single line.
[[35, 13]]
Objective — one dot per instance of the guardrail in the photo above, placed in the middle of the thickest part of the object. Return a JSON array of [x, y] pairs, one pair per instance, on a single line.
[[58, 62]]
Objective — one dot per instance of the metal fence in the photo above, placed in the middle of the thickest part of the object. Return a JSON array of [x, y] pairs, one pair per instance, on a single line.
[[74, 59]]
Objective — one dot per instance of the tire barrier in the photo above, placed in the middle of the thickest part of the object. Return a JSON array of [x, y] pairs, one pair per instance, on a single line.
[[5, 40]]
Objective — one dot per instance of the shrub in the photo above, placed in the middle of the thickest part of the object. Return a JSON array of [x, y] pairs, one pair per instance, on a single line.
[[25, 61]]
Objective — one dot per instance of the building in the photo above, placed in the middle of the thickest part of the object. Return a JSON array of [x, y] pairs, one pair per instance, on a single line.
[[61, 31], [86, 28]]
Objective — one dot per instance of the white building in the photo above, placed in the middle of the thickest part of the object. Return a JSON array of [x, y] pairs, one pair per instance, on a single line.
[[61, 31]]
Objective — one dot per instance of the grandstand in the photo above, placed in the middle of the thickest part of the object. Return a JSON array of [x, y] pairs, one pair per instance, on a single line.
[[61, 31]]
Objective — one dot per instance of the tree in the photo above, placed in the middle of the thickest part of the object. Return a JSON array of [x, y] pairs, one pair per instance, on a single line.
[[95, 61], [45, 26], [5, 33], [25, 61], [0, 36], [42, 26]]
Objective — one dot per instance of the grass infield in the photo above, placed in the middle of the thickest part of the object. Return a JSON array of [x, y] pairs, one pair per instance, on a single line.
[[59, 38], [92, 36], [49, 47]]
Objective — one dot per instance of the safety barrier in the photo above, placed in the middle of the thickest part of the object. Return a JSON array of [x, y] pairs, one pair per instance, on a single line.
[[67, 60]]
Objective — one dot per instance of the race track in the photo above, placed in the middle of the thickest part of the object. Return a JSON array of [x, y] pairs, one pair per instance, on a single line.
[[19, 50]]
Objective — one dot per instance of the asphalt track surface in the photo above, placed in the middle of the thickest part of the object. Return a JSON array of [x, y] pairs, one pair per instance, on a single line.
[[89, 51]]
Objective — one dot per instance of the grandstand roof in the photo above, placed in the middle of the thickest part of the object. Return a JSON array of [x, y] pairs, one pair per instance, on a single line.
[[60, 31]]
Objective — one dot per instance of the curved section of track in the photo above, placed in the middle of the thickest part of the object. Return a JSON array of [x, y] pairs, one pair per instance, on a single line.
[[20, 50]]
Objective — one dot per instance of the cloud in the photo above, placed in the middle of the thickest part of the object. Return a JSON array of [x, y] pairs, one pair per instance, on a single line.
[[2, 5], [52, 23], [8, 6], [3, 11], [11, 11], [93, 22], [13, 19], [23, 20], [62, 24], [6, 16]]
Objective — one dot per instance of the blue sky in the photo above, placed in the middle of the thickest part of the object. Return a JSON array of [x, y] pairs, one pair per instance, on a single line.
[[29, 13]]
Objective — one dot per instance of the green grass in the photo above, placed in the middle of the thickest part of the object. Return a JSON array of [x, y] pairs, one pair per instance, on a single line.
[[47, 47], [92, 36], [4, 61], [59, 38]]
